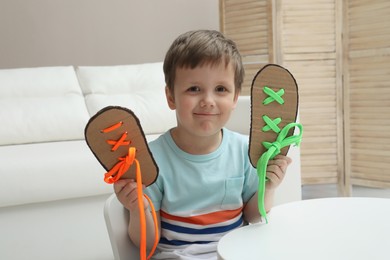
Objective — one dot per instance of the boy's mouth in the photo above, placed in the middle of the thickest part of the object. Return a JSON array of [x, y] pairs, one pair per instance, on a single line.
[[205, 114]]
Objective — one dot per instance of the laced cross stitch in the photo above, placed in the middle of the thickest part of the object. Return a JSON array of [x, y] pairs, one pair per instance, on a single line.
[[124, 163], [273, 96], [271, 124]]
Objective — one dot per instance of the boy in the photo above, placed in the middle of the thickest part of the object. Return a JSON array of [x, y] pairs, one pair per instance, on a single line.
[[206, 185]]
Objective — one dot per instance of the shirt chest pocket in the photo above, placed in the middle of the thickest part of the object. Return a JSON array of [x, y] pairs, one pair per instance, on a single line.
[[233, 193]]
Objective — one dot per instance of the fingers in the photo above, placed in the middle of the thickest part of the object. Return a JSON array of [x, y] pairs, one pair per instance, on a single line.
[[279, 162], [281, 159], [124, 184], [126, 191], [276, 169], [120, 184]]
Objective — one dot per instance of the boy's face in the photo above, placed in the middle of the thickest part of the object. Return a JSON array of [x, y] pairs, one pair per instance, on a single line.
[[203, 98]]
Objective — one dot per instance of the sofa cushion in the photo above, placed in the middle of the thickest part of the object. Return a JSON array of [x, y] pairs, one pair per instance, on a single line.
[[41, 105], [49, 171], [140, 88]]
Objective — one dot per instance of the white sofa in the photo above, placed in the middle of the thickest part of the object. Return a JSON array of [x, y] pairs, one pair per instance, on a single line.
[[51, 188]]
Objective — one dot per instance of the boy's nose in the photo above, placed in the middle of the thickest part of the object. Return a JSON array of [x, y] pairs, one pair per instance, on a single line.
[[207, 100]]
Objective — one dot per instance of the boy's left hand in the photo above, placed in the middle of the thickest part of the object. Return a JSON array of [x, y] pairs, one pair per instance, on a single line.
[[276, 170]]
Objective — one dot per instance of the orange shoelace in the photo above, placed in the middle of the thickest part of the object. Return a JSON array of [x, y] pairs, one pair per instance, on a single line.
[[116, 172]]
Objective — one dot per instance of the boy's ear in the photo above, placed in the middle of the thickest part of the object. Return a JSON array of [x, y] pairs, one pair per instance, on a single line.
[[170, 98]]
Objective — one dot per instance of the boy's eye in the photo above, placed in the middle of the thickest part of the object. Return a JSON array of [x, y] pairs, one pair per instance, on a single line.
[[220, 89], [193, 89]]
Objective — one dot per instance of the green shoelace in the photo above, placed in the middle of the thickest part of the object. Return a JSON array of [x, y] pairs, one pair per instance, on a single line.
[[273, 148]]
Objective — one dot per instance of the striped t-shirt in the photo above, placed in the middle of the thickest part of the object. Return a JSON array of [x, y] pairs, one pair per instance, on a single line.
[[200, 197]]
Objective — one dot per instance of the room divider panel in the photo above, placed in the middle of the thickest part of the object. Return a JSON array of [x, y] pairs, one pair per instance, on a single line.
[[339, 52]]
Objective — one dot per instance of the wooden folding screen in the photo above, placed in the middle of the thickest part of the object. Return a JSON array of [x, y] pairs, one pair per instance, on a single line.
[[249, 24], [339, 52], [367, 91], [308, 47], [299, 35]]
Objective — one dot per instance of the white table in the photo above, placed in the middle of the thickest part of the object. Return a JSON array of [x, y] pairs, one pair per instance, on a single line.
[[332, 228]]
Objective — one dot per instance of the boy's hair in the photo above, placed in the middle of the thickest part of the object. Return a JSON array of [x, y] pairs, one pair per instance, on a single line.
[[202, 47]]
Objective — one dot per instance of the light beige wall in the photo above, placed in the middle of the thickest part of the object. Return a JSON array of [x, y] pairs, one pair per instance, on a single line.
[[96, 32]]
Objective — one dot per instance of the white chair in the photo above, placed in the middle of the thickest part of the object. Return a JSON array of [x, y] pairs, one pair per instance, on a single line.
[[117, 219]]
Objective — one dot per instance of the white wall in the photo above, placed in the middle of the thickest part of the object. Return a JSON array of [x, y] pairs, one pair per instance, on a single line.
[[96, 32]]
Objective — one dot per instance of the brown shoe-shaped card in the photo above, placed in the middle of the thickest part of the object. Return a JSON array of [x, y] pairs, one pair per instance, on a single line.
[[274, 104], [111, 134]]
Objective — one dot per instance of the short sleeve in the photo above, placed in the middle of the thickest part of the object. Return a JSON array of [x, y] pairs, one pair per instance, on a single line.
[[155, 193]]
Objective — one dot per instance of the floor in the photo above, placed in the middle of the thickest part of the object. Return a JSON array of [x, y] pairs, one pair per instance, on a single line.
[[330, 190]]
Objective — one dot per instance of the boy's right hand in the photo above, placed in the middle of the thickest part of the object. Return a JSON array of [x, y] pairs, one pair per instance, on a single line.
[[126, 191]]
